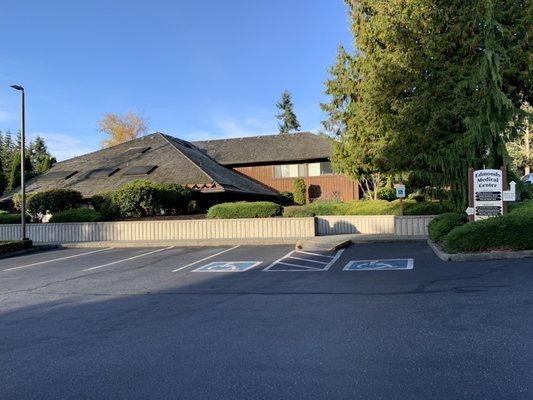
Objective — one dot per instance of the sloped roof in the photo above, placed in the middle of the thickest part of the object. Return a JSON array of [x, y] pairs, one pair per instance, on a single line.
[[267, 149], [166, 158]]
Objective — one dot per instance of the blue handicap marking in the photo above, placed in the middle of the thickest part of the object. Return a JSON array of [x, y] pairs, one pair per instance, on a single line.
[[379, 265], [228, 266]]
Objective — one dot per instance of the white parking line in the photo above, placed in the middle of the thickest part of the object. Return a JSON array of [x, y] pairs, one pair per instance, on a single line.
[[306, 259], [204, 259], [56, 259], [299, 267], [127, 259]]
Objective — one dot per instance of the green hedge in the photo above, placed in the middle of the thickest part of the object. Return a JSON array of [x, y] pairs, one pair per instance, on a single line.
[[53, 200], [76, 215], [142, 198], [11, 218], [297, 212], [512, 231], [286, 198], [299, 190], [244, 209], [368, 207], [387, 193], [15, 245], [440, 226]]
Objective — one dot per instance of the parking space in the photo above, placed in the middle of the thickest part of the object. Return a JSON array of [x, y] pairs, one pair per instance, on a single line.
[[72, 319]]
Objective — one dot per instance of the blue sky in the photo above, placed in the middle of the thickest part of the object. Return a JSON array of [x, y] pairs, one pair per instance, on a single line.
[[195, 69]]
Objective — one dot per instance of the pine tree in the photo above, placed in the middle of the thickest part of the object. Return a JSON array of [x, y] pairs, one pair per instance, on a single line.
[[14, 174], [288, 119], [3, 181], [41, 159]]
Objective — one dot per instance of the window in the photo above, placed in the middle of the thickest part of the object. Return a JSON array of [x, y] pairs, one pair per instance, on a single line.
[[289, 171], [320, 168]]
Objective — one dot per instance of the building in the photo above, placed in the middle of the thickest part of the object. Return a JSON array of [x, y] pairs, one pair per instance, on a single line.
[[276, 160], [254, 168]]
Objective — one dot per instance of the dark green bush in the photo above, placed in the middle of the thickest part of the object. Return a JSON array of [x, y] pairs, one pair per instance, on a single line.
[[427, 208], [523, 207], [286, 198], [53, 200], [14, 245], [137, 199], [297, 211], [299, 190], [11, 218], [76, 215], [244, 209], [103, 203], [387, 193], [440, 226], [173, 199], [509, 232]]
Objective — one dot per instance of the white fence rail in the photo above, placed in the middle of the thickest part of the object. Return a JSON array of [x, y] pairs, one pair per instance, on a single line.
[[373, 224], [253, 228]]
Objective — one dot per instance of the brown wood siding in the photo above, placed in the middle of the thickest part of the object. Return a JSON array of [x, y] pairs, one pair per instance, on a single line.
[[325, 187]]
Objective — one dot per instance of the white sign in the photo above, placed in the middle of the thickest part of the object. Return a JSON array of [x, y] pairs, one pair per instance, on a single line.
[[488, 193], [510, 195], [470, 211], [400, 191]]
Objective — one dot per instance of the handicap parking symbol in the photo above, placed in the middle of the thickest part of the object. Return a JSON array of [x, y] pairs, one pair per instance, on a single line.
[[380, 265], [228, 266]]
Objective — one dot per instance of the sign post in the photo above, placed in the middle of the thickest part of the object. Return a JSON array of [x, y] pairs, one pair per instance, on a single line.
[[400, 194]]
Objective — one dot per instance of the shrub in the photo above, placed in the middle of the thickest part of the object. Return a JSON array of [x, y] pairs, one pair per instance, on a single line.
[[386, 193], [17, 199], [297, 211], [137, 199], [524, 207], [427, 208], [372, 207], [173, 198], [299, 190], [508, 232], [11, 218], [53, 200], [76, 215], [443, 224], [286, 198], [15, 245], [244, 209], [104, 204]]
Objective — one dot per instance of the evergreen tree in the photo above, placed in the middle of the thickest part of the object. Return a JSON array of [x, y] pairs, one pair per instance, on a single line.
[[3, 181], [434, 84], [14, 174], [288, 119], [41, 159], [7, 150]]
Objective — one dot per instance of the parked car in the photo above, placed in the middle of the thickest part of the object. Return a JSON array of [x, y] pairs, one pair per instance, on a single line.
[[528, 178]]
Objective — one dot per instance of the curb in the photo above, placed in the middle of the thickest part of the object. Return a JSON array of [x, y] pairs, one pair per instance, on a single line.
[[31, 250], [184, 243], [485, 256]]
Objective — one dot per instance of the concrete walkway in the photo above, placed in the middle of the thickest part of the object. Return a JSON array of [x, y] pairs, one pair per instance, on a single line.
[[335, 242]]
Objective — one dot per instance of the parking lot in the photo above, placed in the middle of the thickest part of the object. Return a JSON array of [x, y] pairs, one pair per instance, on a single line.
[[372, 321]]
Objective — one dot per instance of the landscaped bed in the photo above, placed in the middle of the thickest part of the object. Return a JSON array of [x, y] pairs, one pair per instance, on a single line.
[[11, 246], [513, 231]]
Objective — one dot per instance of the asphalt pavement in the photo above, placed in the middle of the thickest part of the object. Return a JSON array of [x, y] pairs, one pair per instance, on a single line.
[[372, 321]]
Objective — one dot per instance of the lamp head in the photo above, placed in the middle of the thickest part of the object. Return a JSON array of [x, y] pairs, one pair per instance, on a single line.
[[17, 87]]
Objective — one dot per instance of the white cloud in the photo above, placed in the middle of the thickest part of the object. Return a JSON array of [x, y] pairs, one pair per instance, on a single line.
[[231, 127], [63, 146]]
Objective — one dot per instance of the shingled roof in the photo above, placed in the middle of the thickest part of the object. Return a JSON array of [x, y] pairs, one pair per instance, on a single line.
[[156, 157], [267, 149]]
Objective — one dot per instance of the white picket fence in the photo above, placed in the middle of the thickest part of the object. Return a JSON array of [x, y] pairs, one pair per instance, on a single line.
[[253, 228]]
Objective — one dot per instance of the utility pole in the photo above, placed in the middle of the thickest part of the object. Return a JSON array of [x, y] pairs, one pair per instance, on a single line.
[[22, 161]]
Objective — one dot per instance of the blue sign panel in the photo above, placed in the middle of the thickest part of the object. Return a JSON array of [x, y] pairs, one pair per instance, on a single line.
[[228, 266], [379, 265]]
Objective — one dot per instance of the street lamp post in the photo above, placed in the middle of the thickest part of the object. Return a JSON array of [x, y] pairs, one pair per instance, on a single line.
[[22, 161]]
